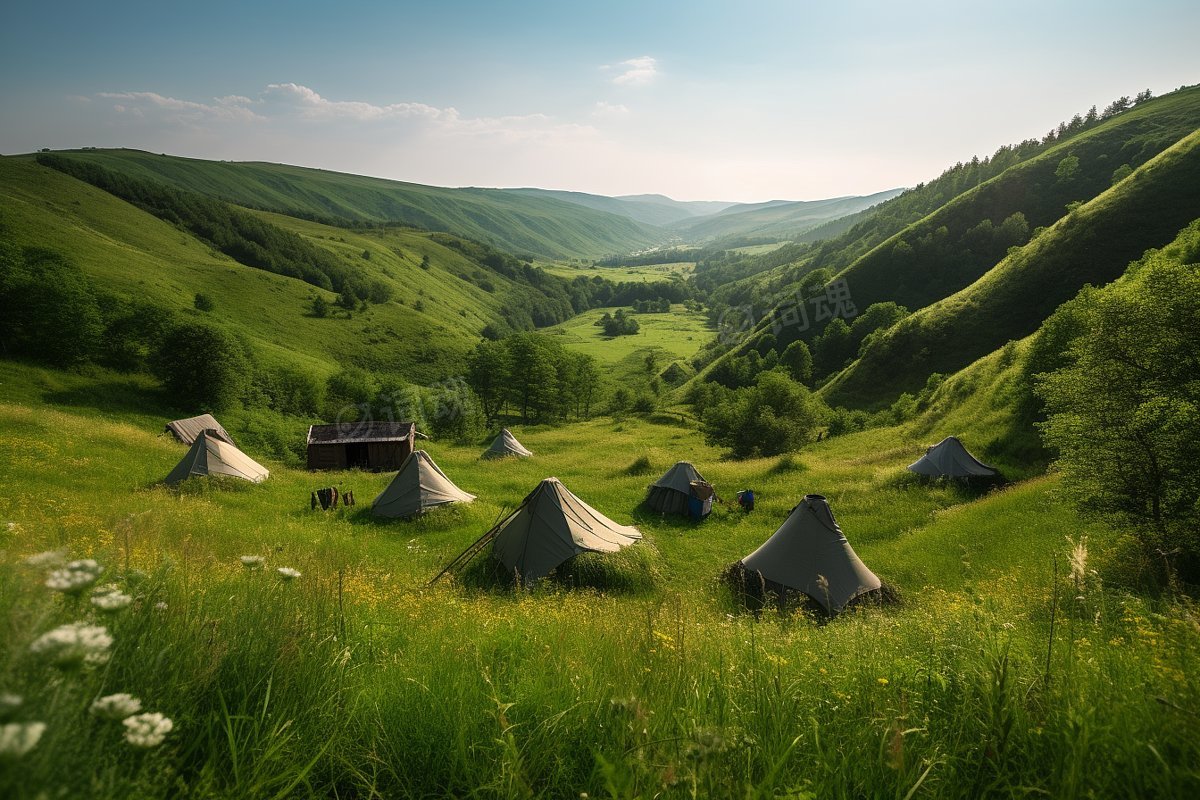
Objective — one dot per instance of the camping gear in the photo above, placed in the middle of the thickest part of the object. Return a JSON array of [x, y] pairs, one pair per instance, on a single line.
[[745, 499], [505, 444], [210, 455], [419, 486], [186, 430], [682, 490], [950, 459], [810, 554]]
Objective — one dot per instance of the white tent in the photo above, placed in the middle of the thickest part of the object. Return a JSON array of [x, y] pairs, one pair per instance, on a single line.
[[949, 459], [670, 493], [211, 456], [506, 445], [186, 430], [551, 526], [419, 486], [808, 547]]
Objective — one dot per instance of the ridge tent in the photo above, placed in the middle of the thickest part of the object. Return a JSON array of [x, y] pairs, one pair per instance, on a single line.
[[419, 486], [210, 455], [949, 459], [681, 490], [551, 526], [809, 546], [186, 430], [505, 444]]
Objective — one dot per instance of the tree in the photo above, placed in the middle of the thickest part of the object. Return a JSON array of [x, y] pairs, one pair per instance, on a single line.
[[1067, 169], [202, 367], [833, 348], [203, 302], [799, 362], [50, 312], [349, 394], [320, 307], [776, 415], [487, 374], [532, 383], [1122, 411], [1121, 173]]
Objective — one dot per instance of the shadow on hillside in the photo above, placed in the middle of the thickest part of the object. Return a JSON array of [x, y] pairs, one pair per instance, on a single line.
[[122, 396]]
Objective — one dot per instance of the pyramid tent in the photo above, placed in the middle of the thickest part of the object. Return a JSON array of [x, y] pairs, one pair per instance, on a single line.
[[551, 526], [186, 430], [506, 445], [949, 459], [670, 493], [211, 456], [809, 545], [419, 486]]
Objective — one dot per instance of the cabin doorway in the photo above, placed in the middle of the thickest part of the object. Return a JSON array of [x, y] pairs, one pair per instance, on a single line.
[[357, 456]]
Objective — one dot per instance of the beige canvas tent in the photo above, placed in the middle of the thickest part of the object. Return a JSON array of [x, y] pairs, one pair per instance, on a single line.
[[808, 547], [551, 526], [949, 459], [186, 430], [506, 445], [212, 456], [681, 490], [419, 486]]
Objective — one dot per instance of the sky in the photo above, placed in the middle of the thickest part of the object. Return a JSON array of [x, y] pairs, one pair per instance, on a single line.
[[736, 101]]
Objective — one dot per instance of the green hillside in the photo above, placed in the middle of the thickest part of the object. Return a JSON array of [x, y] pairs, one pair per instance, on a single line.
[[519, 224], [657, 214], [786, 220]]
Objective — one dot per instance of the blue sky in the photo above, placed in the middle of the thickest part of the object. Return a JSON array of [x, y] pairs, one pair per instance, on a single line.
[[699, 100]]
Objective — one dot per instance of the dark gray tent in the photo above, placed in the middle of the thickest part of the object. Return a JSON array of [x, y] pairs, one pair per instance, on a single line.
[[186, 430], [810, 554], [419, 486], [506, 445], [949, 459], [551, 526], [674, 492]]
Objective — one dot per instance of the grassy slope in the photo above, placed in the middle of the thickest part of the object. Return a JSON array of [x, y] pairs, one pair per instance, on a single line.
[[447, 692], [1092, 245], [647, 274], [129, 253], [512, 222], [784, 220]]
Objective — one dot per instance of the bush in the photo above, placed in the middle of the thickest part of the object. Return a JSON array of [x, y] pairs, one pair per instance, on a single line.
[[202, 367], [774, 416], [50, 313]]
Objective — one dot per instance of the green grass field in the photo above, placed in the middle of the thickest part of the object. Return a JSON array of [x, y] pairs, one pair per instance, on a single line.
[[647, 274], [675, 335], [991, 677]]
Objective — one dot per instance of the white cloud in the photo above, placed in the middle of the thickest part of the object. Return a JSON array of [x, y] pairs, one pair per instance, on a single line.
[[309, 103], [184, 110], [605, 109], [637, 71]]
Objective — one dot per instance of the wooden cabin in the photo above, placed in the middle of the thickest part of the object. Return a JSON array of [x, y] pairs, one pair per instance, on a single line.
[[375, 446]]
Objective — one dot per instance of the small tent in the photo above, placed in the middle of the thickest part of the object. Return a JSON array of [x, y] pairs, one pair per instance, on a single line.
[[949, 459], [186, 430], [506, 445], [551, 526], [210, 455], [808, 547], [681, 490], [419, 486]]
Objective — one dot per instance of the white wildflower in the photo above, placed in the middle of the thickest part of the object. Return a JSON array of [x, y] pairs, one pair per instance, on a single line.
[[111, 602], [116, 706], [147, 730], [49, 558], [74, 645], [252, 562], [1077, 558], [9, 703], [288, 574], [160, 606], [75, 576], [18, 738]]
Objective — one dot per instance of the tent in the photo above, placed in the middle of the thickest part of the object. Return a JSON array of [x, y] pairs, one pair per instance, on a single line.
[[949, 459], [681, 490], [186, 430], [506, 445], [551, 526], [419, 486], [807, 547], [212, 456]]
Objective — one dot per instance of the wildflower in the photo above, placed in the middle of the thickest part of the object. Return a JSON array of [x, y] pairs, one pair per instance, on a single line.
[[49, 558], [1077, 558], [147, 730], [288, 574], [74, 645], [882, 681], [18, 738], [9, 703], [116, 706], [111, 602], [160, 606], [75, 576], [252, 562]]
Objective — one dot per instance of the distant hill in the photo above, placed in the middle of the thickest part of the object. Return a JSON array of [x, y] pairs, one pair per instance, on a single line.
[[778, 219], [648, 212], [517, 223], [692, 208]]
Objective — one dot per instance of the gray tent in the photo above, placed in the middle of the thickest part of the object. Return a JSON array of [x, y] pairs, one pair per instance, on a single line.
[[506, 445], [809, 546], [419, 486], [551, 526], [949, 459], [211, 456], [186, 430], [671, 493]]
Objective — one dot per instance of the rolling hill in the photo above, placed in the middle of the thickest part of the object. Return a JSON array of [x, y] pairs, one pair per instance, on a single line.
[[777, 219]]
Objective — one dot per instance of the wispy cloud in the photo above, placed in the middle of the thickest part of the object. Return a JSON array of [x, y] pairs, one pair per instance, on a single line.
[[308, 102], [231, 107], [606, 109], [636, 71]]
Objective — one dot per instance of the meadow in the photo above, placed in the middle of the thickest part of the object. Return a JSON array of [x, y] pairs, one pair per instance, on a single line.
[[647, 274], [1016, 662], [677, 334]]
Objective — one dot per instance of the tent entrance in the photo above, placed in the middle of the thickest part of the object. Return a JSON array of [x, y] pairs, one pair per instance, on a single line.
[[357, 456]]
